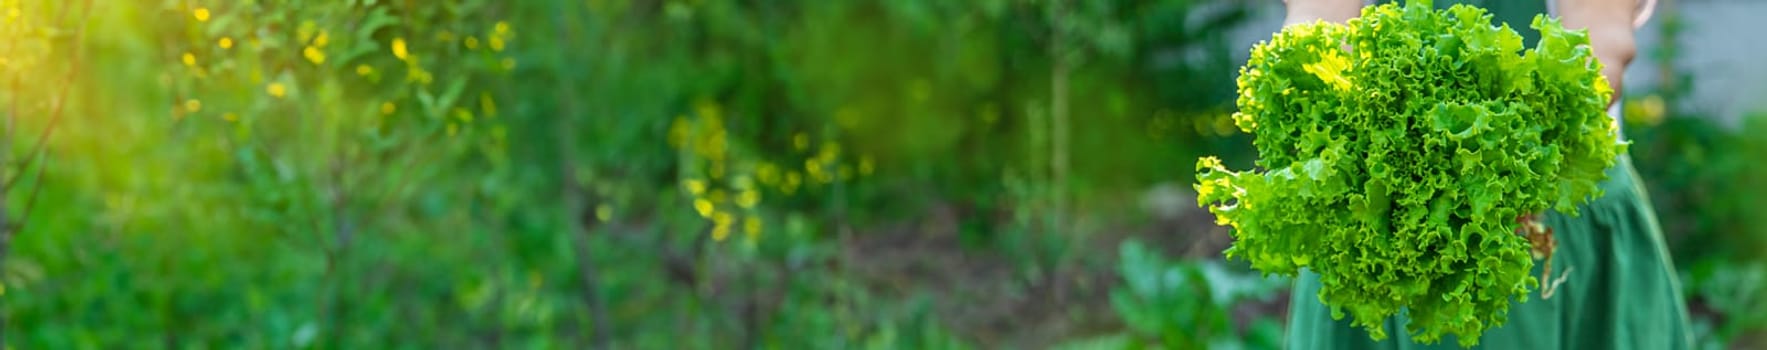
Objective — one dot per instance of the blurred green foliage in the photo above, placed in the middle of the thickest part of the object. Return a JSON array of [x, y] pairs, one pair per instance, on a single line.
[[1189, 305], [652, 174], [1708, 181], [612, 173]]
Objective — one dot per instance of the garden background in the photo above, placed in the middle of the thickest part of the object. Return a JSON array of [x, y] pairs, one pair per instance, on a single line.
[[658, 174]]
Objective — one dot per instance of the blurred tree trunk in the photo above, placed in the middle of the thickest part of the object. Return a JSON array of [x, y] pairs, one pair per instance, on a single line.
[[574, 196], [1058, 112]]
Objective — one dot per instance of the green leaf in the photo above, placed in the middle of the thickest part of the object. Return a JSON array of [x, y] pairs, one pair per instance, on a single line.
[[1397, 150]]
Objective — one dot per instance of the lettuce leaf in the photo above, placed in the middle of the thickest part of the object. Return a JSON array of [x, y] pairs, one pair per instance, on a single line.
[[1396, 152]]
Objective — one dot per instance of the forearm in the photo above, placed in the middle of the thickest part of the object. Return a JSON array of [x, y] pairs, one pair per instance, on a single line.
[[1610, 24], [1304, 11]]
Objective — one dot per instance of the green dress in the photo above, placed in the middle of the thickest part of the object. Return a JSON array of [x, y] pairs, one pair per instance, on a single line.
[[1621, 291]]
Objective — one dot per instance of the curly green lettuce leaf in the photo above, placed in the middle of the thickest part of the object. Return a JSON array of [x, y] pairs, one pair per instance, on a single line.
[[1397, 151]]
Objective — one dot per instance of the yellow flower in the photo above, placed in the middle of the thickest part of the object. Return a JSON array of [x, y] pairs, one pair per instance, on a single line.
[[193, 105], [697, 187], [1653, 109], [399, 49], [416, 73], [276, 89], [752, 226], [748, 198], [508, 63], [313, 54], [721, 225], [363, 69], [387, 108], [472, 43], [497, 43], [792, 180], [189, 59], [202, 14], [502, 28], [720, 232], [225, 43], [703, 206], [322, 39], [230, 117]]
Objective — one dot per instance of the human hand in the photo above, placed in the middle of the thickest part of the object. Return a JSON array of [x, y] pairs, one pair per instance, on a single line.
[[1611, 25]]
